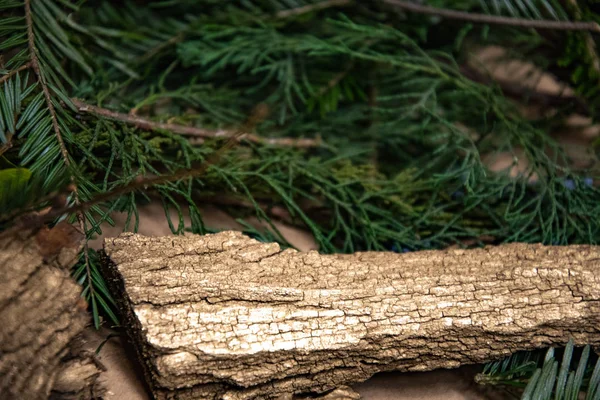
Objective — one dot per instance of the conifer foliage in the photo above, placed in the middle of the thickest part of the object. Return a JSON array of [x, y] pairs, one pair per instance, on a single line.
[[375, 137]]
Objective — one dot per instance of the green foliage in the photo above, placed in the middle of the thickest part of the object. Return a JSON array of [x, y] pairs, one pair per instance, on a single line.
[[97, 294], [539, 9], [544, 378], [406, 134]]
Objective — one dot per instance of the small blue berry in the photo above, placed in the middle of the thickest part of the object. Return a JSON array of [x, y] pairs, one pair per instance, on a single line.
[[459, 194], [569, 184], [397, 249], [588, 181]]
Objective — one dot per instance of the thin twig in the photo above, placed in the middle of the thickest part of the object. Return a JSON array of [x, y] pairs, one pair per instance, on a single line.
[[191, 131], [7, 145], [311, 7], [493, 19], [14, 71], [335, 80], [157, 49], [63, 148]]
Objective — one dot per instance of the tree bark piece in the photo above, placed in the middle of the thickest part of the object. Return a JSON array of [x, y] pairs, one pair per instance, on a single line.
[[225, 316], [79, 375], [41, 313]]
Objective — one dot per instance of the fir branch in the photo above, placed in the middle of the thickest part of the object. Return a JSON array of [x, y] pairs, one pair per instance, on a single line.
[[36, 68], [312, 7], [493, 19], [63, 148], [191, 131], [15, 71]]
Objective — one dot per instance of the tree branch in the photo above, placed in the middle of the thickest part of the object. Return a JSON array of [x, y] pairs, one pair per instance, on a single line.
[[191, 131], [36, 68], [14, 71], [311, 7], [493, 19], [63, 148]]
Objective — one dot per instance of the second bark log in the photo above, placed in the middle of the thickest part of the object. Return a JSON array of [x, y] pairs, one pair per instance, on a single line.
[[225, 316], [41, 317]]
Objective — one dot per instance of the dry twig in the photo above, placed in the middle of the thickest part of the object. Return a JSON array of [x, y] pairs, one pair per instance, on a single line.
[[191, 131], [312, 7], [14, 71]]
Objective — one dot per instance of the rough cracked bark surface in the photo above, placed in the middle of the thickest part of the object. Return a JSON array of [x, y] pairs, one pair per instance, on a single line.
[[40, 315], [225, 316]]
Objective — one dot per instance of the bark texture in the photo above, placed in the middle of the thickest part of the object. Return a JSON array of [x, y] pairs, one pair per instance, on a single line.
[[41, 314], [225, 316]]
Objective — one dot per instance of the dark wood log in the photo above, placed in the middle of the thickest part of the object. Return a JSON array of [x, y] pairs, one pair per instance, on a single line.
[[225, 316], [41, 315]]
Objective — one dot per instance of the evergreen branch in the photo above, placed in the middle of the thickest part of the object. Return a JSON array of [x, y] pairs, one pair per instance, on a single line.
[[493, 19], [14, 71], [574, 374], [312, 7], [37, 221], [180, 36], [63, 148], [147, 124], [36, 68], [141, 182]]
